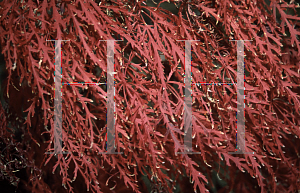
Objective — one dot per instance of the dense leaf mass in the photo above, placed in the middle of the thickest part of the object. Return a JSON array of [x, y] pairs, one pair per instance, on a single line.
[[149, 95]]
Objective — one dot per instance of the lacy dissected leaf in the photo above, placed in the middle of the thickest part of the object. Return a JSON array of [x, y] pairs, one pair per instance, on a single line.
[[149, 93]]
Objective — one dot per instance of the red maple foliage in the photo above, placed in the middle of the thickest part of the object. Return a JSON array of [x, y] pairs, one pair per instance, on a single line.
[[149, 95]]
